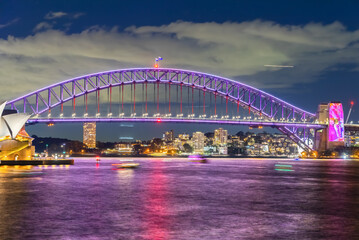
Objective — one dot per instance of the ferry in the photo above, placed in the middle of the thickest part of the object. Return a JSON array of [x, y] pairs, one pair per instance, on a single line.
[[126, 165], [197, 159]]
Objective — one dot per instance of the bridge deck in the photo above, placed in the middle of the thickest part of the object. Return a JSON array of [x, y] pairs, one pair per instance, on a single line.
[[181, 120]]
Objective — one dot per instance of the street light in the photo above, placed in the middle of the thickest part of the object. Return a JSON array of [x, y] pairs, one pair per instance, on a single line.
[[63, 148]]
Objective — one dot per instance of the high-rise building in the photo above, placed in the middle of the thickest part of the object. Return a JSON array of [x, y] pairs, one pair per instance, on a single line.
[[168, 136], [198, 142], [220, 136], [89, 137]]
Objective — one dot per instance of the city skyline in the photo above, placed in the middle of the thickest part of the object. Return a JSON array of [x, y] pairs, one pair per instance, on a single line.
[[300, 57], [191, 119]]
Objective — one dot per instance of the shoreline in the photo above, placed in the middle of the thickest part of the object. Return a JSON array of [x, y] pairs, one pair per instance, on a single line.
[[36, 162], [224, 158]]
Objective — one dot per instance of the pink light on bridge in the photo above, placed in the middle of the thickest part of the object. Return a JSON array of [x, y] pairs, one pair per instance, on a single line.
[[336, 122]]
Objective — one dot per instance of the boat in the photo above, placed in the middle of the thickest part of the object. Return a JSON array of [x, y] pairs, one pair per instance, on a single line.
[[197, 159], [126, 165]]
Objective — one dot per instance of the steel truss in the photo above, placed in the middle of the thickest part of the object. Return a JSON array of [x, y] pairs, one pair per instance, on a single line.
[[256, 101]]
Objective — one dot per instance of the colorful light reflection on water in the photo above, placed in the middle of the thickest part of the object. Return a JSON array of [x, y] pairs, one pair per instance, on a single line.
[[174, 199]]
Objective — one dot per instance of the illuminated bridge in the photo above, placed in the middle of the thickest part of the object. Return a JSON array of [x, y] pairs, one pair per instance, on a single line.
[[166, 95]]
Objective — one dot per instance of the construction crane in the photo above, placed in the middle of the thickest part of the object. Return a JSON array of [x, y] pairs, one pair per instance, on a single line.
[[350, 111]]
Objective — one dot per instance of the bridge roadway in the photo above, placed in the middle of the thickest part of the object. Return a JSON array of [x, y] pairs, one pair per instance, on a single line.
[[254, 123], [351, 127], [236, 121]]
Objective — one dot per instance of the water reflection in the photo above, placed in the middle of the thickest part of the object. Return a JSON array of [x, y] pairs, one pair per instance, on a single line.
[[13, 193], [338, 202], [226, 199], [125, 175], [156, 219]]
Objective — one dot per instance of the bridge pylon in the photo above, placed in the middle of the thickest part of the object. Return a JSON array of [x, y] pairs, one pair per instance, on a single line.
[[332, 136]]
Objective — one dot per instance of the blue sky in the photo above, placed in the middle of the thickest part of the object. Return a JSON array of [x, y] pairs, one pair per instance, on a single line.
[[41, 40]]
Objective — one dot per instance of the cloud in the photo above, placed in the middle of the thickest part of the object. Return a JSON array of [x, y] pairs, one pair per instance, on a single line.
[[9, 23], [235, 50], [42, 26], [53, 15], [77, 15]]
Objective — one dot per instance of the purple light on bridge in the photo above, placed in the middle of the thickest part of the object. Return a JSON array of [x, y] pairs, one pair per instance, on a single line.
[[179, 120], [256, 101]]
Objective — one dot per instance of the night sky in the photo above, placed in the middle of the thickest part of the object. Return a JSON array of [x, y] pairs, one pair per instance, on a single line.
[[44, 42]]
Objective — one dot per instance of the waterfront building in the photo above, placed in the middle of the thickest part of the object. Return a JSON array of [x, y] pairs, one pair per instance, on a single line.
[[351, 139], [124, 148], [177, 144], [168, 136], [220, 136], [265, 148], [15, 143], [198, 142], [210, 150], [222, 150], [89, 134], [183, 137]]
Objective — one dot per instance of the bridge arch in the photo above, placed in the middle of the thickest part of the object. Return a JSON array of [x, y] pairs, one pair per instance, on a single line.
[[257, 101]]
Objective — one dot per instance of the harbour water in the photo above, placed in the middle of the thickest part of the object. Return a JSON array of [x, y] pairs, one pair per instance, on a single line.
[[175, 199]]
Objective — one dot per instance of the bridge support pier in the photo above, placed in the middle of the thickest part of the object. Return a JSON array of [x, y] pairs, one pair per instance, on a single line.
[[331, 137]]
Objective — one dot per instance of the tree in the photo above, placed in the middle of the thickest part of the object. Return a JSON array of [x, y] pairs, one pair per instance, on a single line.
[[209, 135], [156, 144], [240, 134], [233, 150], [187, 148], [137, 149]]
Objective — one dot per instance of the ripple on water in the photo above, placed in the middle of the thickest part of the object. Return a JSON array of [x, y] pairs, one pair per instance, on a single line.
[[224, 199]]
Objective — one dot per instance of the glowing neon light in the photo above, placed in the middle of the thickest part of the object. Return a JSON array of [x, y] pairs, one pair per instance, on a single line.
[[284, 167], [160, 76], [22, 98], [281, 165], [284, 170], [336, 122], [175, 120]]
